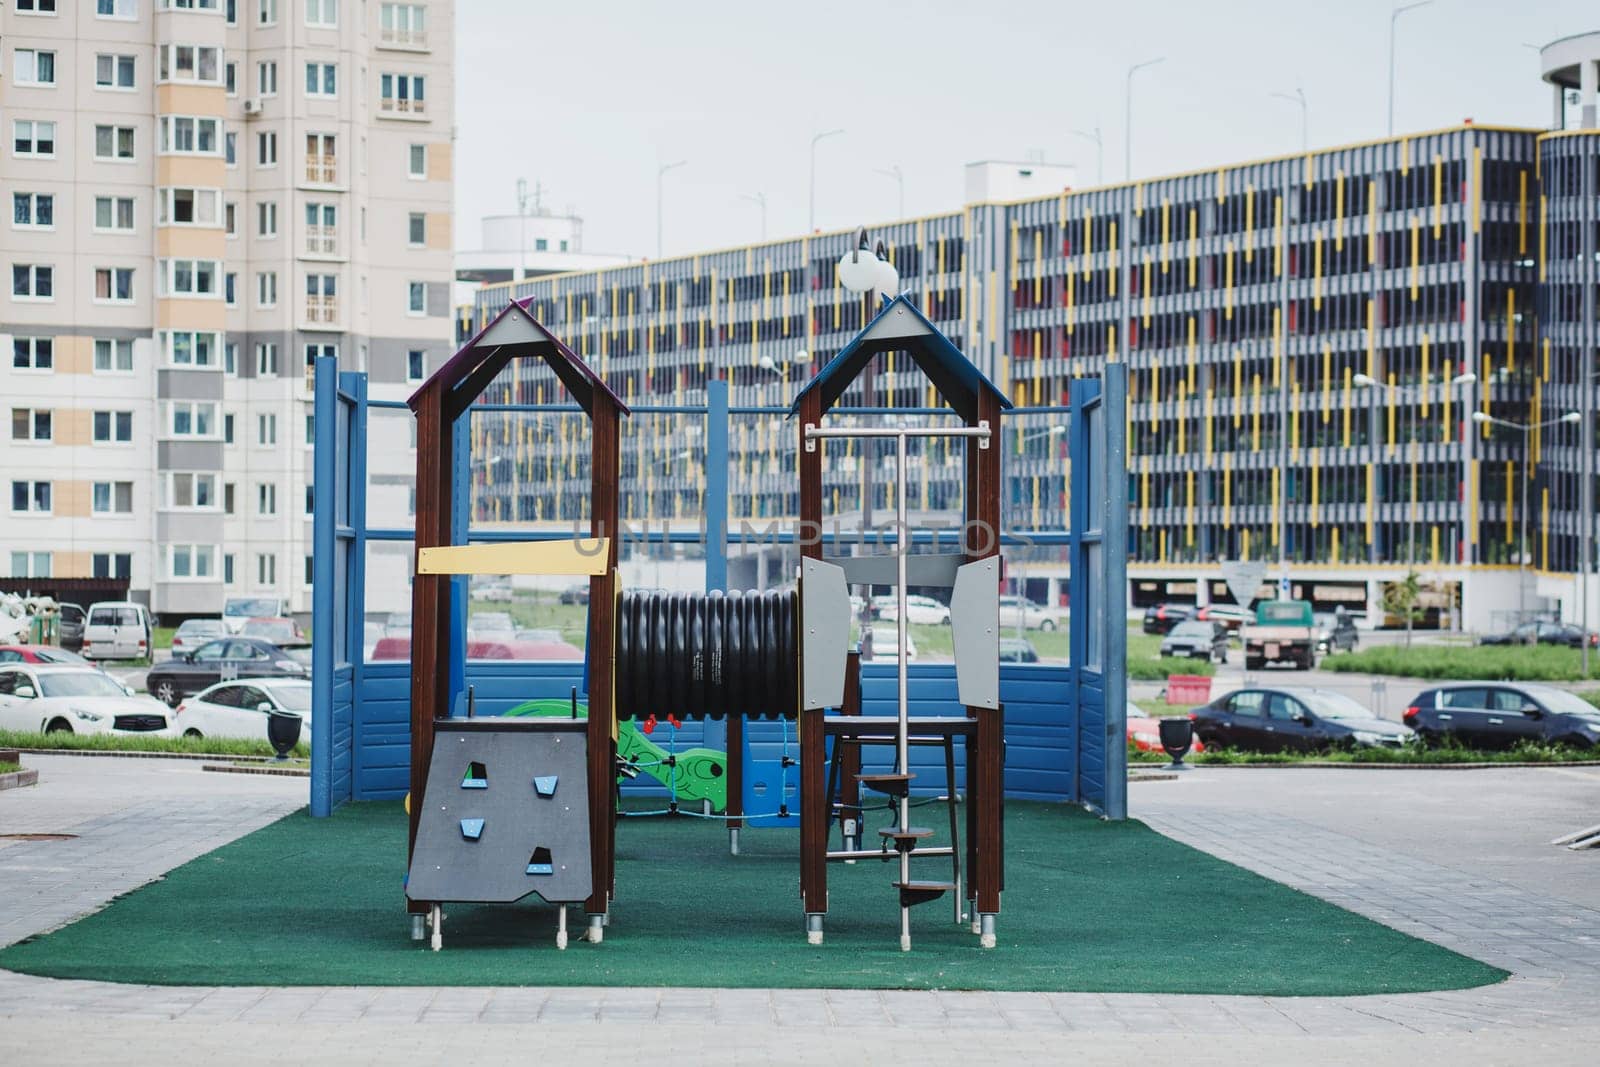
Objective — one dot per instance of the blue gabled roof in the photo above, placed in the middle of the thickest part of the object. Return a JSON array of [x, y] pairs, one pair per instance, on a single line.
[[900, 326]]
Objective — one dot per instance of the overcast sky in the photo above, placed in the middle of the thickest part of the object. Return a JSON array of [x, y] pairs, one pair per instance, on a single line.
[[589, 98]]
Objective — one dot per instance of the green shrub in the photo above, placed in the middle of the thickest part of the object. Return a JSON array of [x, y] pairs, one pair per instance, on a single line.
[[1539, 663], [8, 767], [200, 746], [1524, 752]]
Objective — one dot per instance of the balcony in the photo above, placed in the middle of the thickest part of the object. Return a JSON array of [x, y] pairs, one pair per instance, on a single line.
[[396, 37], [322, 310], [400, 107], [321, 241], [322, 170]]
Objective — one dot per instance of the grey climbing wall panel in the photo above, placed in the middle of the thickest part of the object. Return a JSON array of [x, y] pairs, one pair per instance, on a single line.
[[477, 842]]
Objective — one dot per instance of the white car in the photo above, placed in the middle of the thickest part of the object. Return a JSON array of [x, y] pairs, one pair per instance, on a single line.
[[884, 649], [69, 698], [238, 610], [1029, 614], [240, 708], [921, 610]]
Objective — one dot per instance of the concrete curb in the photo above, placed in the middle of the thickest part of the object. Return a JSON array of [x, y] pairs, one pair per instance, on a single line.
[[18, 779], [1324, 765], [126, 754], [282, 772]]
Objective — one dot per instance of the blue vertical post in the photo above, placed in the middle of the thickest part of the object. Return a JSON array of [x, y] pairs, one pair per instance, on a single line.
[[460, 522], [716, 502], [355, 591], [1081, 391], [1114, 558], [324, 520]]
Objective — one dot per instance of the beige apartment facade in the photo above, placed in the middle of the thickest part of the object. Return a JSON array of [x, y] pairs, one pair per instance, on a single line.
[[204, 196]]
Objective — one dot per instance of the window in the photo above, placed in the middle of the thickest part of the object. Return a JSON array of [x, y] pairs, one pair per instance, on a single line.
[[322, 226], [230, 219], [33, 353], [230, 289], [192, 418], [266, 499], [34, 67], [417, 229], [316, 351], [191, 5], [417, 298], [33, 211], [322, 79], [112, 498], [401, 94], [322, 304], [267, 78], [267, 219], [230, 10], [30, 424], [30, 564], [321, 164], [403, 24], [113, 355], [540, 244], [116, 9], [227, 568], [414, 365], [228, 495], [230, 78], [191, 561], [37, 7], [113, 213], [188, 136], [30, 498], [310, 566], [186, 490], [230, 360], [190, 277], [267, 360], [31, 281], [417, 161], [227, 429], [116, 142], [188, 207], [189, 348], [230, 153], [112, 564], [266, 568], [311, 428], [322, 12], [113, 427], [267, 289], [266, 12], [266, 149], [266, 429], [113, 285], [188, 63], [29, 137], [113, 71]]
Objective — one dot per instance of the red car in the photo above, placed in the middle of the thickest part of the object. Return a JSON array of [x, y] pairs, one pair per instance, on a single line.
[[41, 654], [393, 648], [1144, 732]]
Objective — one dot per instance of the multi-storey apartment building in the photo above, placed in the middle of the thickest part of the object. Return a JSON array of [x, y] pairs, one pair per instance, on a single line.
[[206, 195]]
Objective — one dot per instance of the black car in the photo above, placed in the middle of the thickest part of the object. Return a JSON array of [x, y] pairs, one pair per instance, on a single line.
[[223, 660], [1499, 714], [1543, 633], [1161, 618], [1018, 650], [575, 594], [1197, 639], [1336, 632], [1293, 719], [69, 627]]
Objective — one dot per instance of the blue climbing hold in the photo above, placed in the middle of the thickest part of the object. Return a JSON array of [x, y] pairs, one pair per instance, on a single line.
[[545, 785], [472, 829], [541, 868]]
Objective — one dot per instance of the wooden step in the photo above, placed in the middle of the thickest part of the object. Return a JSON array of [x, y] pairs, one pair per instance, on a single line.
[[914, 893], [905, 840], [895, 785]]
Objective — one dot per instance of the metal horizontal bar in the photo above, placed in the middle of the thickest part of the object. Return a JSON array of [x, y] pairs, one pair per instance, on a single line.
[[875, 854], [399, 405], [814, 432]]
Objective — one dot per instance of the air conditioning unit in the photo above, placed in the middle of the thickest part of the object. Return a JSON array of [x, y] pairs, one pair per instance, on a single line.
[[252, 107]]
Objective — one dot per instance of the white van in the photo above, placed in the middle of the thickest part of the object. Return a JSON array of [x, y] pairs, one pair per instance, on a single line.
[[238, 610], [116, 629]]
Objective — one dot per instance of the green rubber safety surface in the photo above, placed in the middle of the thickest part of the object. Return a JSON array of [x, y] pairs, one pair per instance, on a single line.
[[1089, 906]]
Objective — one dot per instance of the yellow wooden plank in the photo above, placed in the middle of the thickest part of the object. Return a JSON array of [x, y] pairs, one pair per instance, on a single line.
[[583, 555]]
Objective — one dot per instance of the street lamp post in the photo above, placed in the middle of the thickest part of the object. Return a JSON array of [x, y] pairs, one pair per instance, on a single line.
[[900, 183], [1299, 97], [1394, 17], [1523, 553], [661, 172], [1127, 116], [761, 199], [811, 214], [1099, 153]]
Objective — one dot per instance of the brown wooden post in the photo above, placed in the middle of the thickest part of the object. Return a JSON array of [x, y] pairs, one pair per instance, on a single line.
[[604, 472], [815, 818], [985, 770], [849, 756]]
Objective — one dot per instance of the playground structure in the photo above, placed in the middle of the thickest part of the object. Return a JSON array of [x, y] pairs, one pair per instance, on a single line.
[[642, 660]]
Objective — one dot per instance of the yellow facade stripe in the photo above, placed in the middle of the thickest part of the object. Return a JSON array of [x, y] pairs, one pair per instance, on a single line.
[[1183, 419], [1249, 221], [1088, 241], [1227, 490], [1416, 256], [1188, 511], [1194, 247], [1338, 210], [1166, 232], [1277, 346], [1372, 223], [1316, 483], [1544, 528], [1423, 384], [1255, 412], [1388, 403], [1438, 196], [1155, 393], [1277, 506], [1346, 406], [1316, 269], [1294, 418], [1543, 227], [1311, 170], [1477, 187], [1238, 388], [1072, 310], [1277, 236], [1522, 212], [1111, 249], [1405, 155], [1147, 297], [1511, 331], [1111, 349], [1227, 283], [1327, 376], [1510, 488], [1038, 266], [1015, 256], [1372, 339], [1222, 185]]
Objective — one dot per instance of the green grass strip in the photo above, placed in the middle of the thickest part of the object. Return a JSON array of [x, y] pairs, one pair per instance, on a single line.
[[200, 746]]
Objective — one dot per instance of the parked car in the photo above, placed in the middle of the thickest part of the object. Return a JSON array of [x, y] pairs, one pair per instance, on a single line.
[[68, 698], [1231, 617], [69, 627], [1499, 714], [278, 630], [41, 654], [1335, 632], [1144, 731], [1160, 618], [238, 610], [1281, 633], [1016, 650], [223, 660], [493, 590], [1197, 639], [921, 610], [1542, 632], [486, 622], [885, 649], [575, 594], [192, 633], [117, 629], [1293, 719], [240, 709], [1029, 614], [480, 647]]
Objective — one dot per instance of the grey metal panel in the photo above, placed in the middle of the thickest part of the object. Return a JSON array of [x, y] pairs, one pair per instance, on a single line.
[[189, 527], [189, 384], [937, 570], [516, 820], [825, 634], [189, 455], [975, 628]]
